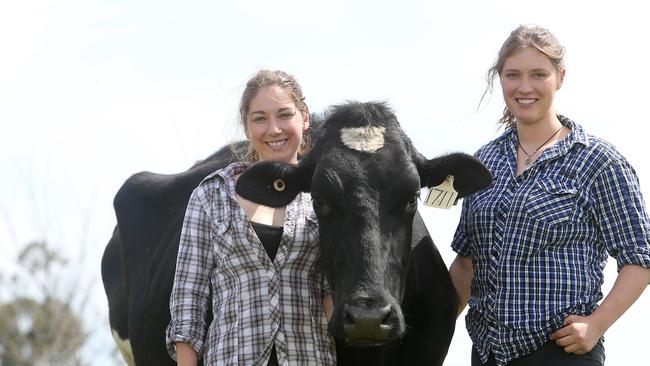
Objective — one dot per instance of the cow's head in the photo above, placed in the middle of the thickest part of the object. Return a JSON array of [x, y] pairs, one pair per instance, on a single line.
[[365, 178]]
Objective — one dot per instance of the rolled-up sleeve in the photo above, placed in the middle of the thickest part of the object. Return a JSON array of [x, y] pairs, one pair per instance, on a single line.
[[190, 296], [461, 244], [326, 286], [621, 215]]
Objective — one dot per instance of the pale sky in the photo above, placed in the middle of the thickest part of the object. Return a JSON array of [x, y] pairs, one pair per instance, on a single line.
[[93, 91]]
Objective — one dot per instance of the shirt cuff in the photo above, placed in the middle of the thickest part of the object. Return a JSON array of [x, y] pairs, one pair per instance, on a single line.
[[174, 334], [461, 247], [639, 257]]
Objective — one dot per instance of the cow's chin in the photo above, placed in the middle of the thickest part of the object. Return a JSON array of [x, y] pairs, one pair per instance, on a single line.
[[366, 343]]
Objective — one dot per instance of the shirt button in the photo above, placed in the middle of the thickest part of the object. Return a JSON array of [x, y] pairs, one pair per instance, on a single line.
[[274, 300]]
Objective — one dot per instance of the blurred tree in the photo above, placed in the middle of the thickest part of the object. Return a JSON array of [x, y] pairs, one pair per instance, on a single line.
[[40, 328]]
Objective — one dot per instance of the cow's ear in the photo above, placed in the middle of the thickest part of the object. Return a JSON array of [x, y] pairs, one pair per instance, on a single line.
[[470, 175], [273, 183]]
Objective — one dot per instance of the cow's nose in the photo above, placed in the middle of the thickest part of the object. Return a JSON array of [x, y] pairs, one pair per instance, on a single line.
[[368, 325]]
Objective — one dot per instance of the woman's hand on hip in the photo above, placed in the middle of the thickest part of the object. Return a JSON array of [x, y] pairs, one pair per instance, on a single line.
[[578, 335]]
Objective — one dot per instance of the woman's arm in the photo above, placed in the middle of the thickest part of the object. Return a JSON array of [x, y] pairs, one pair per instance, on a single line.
[[581, 333], [461, 272], [189, 301], [620, 218], [328, 306], [185, 354]]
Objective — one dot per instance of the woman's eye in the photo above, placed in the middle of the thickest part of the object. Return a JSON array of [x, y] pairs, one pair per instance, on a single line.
[[286, 115]]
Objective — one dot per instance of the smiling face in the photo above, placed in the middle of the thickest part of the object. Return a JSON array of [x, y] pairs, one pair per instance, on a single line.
[[529, 82], [274, 125]]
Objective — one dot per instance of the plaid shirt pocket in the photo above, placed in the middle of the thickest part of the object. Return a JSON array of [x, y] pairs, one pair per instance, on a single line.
[[554, 203]]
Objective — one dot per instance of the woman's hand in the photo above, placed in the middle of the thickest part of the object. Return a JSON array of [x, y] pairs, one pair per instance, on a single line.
[[185, 354], [578, 335]]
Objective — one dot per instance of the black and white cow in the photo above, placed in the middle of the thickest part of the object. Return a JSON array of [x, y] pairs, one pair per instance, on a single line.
[[394, 301]]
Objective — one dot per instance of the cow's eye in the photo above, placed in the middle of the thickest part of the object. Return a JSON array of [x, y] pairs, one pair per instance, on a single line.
[[320, 206], [318, 203], [412, 204]]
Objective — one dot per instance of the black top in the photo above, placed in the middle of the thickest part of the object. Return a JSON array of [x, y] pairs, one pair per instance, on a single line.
[[270, 237]]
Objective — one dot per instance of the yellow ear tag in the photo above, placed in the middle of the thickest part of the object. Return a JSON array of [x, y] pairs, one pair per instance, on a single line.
[[443, 195]]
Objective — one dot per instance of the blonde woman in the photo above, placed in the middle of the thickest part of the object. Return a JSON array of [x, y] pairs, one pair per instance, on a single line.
[[532, 247]]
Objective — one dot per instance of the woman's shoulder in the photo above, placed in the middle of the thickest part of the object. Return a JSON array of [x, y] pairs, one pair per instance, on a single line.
[[224, 175], [590, 155], [219, 180], [596, 149], [604, 148]]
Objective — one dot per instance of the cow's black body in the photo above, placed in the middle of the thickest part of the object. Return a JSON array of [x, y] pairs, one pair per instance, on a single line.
[[140, 259], [390, 309]]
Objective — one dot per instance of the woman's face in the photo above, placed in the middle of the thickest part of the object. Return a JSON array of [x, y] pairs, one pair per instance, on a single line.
[[529, 81], [274, 125]]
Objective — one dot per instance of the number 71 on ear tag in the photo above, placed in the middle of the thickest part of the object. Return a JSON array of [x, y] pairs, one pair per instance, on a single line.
[[443, 195]]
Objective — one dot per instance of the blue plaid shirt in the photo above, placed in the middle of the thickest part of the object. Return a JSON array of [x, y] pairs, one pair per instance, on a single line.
[[539, 241]]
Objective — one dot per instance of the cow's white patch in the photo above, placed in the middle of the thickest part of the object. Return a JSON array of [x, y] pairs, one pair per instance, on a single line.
[[125, 348], [367, 139]]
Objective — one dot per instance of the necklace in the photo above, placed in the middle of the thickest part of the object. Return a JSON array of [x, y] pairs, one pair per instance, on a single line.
[[529, 157]]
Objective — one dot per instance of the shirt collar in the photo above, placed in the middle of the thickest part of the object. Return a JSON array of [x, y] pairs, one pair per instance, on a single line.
[[576, 136], [232, 170], [229, 172]]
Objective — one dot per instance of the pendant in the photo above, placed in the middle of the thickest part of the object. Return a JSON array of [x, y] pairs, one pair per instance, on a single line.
[[528, 158]]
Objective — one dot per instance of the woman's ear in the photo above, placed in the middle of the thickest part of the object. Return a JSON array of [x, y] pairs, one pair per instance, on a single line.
[[245, 128], [306, 120], [560, 80]]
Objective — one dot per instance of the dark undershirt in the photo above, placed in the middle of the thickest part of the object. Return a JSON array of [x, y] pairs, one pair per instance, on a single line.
[[270, 237]]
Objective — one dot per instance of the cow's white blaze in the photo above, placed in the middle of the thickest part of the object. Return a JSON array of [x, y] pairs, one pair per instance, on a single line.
[[367, 139], [124, 345]]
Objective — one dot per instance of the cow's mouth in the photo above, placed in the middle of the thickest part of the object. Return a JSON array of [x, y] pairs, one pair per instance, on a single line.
[[363, 323]]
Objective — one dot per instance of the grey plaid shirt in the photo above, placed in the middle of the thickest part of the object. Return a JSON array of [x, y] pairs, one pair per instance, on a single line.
[[222, 267]]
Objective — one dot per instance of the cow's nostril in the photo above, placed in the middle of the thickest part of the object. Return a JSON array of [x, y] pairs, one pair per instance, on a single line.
[[386, 320], [367, 317], [348, 318]]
